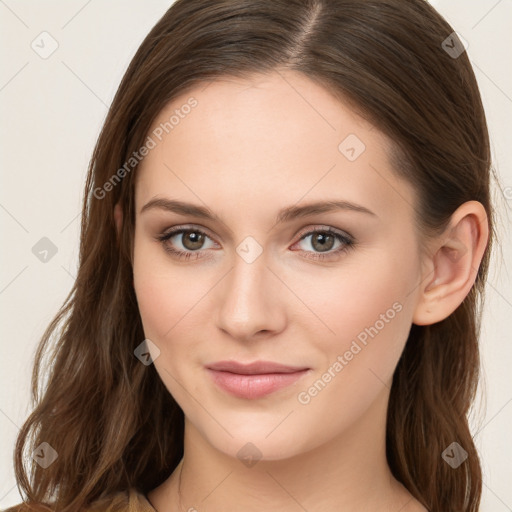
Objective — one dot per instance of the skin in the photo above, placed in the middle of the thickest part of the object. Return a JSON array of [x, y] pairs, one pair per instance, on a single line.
[[249, 148]]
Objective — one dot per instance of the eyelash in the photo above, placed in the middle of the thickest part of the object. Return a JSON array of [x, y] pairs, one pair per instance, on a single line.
[[348, 243]]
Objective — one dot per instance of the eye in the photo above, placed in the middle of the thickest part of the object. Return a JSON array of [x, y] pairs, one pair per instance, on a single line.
[[193, 241], [323, 240]]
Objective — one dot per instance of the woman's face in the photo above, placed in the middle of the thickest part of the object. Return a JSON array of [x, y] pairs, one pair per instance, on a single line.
[[255, 282]]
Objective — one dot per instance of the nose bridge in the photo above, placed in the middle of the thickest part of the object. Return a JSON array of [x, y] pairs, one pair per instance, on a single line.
[[247, 301], [248, 279]]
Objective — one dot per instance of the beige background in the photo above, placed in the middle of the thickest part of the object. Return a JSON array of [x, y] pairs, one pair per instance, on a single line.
[[52, 110]]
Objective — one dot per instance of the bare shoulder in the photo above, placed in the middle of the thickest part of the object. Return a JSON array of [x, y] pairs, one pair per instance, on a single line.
[[414, 506], [408, 503]]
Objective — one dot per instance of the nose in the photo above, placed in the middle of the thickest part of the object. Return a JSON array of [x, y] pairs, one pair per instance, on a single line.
[[251, 300]]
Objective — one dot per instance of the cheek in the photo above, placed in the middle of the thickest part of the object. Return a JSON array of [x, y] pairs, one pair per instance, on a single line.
[[368, 311], [370, 314], [163, 299], [157, 309]]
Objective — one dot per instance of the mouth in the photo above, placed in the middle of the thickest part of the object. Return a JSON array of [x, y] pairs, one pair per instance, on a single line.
[[254, 380]]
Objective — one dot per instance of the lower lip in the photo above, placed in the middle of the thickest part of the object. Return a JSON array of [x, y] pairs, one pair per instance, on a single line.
[[254, 386]]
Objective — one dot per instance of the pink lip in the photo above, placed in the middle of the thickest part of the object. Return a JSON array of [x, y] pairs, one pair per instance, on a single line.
[[253, 380]]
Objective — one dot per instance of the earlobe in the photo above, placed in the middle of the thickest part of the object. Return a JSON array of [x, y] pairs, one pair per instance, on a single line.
[[456, 258]]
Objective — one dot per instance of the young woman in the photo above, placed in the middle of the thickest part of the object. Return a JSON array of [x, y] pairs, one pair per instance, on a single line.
[[285, 240]]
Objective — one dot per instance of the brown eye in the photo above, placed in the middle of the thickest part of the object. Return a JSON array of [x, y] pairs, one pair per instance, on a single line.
[[323, 240], [192, 243], [192, 240]]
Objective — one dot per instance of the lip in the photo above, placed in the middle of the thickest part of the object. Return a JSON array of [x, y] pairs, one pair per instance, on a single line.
[[257, 367], [254, 380]]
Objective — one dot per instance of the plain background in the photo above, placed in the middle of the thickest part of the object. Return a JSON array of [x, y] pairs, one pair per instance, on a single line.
[[52, 110]]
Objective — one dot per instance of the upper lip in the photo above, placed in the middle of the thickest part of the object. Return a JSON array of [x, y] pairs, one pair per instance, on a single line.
[[257, 367]]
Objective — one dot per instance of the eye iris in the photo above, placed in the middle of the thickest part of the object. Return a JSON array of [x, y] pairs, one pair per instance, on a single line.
[[197, 240], [320, 237]]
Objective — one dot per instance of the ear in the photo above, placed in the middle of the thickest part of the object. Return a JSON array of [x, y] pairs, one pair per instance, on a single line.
[[455, 260], [118, 218]]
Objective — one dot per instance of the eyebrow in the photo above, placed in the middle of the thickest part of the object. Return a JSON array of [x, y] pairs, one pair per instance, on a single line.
[[284, 215]]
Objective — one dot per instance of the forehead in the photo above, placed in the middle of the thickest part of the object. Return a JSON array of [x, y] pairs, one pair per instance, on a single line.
[[269, 139]]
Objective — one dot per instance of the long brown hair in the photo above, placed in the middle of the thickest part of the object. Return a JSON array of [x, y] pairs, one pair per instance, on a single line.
[[111, 420]]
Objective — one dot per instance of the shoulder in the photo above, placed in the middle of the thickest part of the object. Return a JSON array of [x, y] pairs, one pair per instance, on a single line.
[[125, 501]]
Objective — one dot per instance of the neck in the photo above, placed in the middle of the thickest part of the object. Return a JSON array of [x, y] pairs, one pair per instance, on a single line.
[[349, 473]]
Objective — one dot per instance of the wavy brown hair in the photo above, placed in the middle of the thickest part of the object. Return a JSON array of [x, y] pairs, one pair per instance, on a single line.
[[112, 421]]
